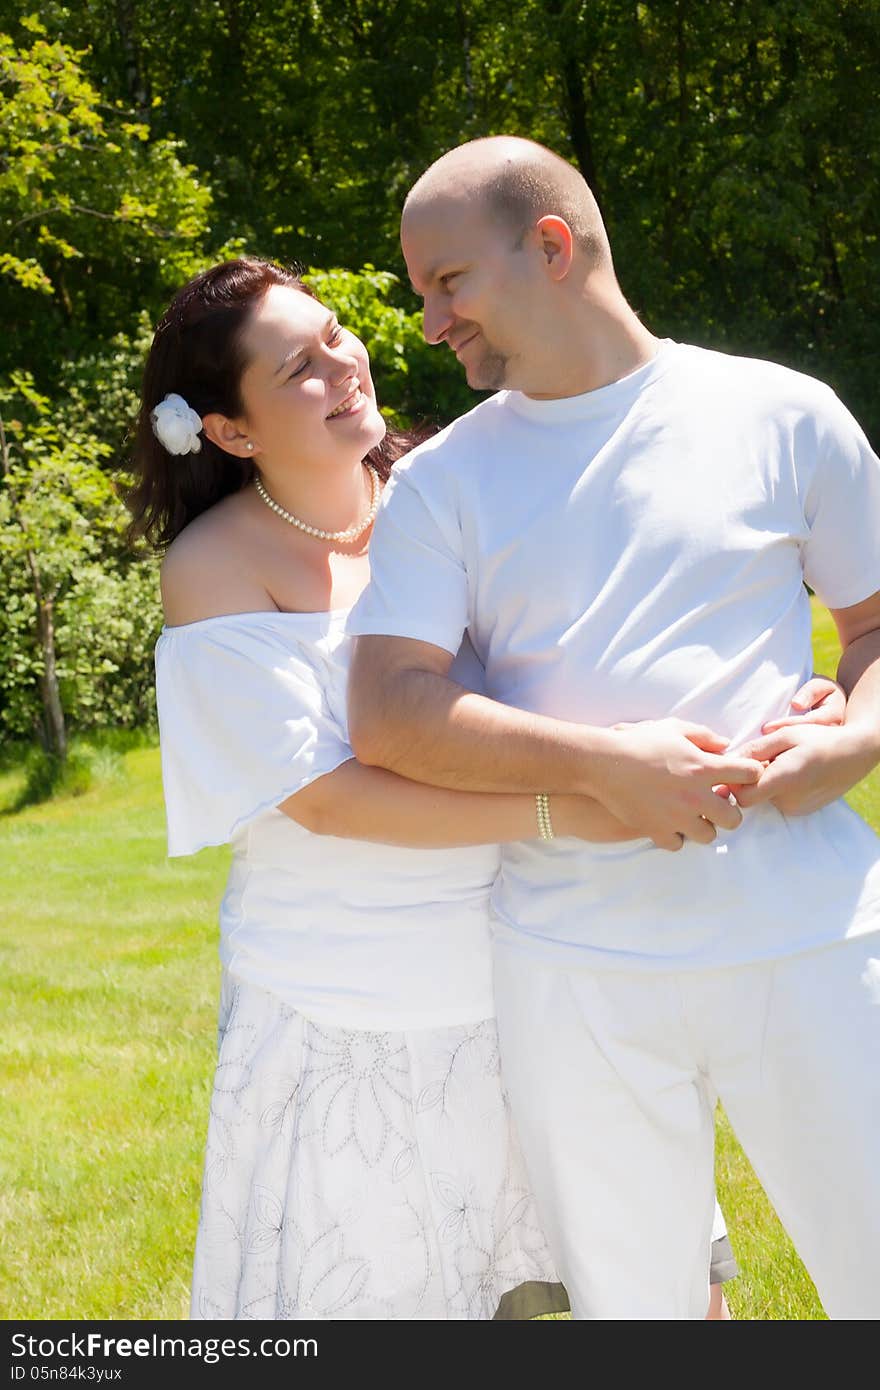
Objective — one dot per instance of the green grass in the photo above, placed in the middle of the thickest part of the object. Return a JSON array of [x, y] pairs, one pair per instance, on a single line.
[[108, 982], [107, 964]]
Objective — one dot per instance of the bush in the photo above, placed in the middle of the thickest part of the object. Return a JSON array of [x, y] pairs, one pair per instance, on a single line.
[[89, 764]]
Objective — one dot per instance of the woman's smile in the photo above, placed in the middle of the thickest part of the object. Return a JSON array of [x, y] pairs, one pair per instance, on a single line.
[[352, 403]]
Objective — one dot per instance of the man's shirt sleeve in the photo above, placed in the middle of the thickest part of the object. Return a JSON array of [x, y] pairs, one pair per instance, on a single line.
[[418, 586], [841, 500]]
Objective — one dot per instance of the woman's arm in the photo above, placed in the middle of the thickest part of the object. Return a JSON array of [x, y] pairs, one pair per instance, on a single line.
[[368, 803]]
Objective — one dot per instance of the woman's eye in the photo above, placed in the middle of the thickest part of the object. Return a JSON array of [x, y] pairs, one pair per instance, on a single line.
[[333, 340]]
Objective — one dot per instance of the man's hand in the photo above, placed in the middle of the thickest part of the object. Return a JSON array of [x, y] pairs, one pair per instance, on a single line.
[[660, 777], [809, 766]]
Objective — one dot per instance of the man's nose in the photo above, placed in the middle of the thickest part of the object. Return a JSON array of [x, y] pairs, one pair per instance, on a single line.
[[436, 319]]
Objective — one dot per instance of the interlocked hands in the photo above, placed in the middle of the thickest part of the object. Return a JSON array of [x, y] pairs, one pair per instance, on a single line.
[[671, 780]]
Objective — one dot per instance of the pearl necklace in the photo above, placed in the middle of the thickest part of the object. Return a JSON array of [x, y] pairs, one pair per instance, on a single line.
[[342, 536]]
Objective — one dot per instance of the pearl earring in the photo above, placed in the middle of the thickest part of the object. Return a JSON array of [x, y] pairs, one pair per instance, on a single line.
[[250, 446]]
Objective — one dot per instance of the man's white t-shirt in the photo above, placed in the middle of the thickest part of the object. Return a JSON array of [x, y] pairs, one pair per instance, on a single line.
[[636, 552]]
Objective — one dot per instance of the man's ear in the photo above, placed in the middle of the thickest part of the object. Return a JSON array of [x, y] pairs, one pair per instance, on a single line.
[[557, 244], [227, 435]]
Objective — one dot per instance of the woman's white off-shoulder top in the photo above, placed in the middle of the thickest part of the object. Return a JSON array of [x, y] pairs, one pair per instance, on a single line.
[[351, 933]]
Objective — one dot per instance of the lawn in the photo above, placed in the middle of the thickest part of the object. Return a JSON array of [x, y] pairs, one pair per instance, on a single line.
[[108, 983]]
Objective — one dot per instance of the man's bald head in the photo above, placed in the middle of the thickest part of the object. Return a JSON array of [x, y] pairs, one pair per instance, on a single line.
[[505, 245], [518, 182]]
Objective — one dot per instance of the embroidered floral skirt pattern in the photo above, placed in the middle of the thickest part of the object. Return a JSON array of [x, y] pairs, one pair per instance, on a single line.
[[362, 1175]]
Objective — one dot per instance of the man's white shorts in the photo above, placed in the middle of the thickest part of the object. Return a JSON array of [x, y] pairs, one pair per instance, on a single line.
[[612, 1076]]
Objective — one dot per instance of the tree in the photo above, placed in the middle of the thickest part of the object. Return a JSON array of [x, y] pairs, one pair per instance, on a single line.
[[734, 147], [97, 219], [54, 505]]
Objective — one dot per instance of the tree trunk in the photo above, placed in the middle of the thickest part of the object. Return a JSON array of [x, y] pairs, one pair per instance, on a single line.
[[53, 712], [574, 99], [135, 83], [673, 210], [466, 57], [578, 129]]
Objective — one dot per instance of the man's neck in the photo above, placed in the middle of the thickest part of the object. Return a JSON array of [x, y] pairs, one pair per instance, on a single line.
[[604, 341]]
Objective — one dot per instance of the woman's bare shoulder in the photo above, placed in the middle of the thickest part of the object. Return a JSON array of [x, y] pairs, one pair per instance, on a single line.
[[205, 572]]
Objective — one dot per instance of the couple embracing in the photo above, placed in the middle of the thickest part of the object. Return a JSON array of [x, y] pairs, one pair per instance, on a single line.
[[453, 1078]]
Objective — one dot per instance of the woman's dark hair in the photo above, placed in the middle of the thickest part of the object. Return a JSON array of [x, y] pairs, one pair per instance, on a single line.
[[197, 353]]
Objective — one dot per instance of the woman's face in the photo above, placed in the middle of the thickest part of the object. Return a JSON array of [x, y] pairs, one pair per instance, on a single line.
[[307, 392]]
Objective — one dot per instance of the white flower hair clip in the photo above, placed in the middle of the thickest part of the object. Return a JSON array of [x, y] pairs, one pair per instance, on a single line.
[[176, 426]]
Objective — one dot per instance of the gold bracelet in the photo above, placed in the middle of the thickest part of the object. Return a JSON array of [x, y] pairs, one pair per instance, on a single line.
[[542, 811]]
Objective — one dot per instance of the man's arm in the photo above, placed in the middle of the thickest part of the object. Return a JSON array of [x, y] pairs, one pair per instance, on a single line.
[[406, 715], [810, 765]]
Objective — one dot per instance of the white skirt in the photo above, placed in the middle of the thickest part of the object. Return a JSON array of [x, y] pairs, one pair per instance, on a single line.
[[363, 1175]]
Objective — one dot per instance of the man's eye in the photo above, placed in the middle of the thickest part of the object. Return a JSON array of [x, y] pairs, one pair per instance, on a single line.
[[450, 275]]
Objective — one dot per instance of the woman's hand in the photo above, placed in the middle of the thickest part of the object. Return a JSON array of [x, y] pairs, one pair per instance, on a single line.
[[820, 701], [588, 819], [805, 771]]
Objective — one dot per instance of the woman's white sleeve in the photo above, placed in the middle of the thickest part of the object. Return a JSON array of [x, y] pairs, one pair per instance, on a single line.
[[244, 723]]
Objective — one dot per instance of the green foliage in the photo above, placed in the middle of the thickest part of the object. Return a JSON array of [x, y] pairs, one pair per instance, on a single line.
[[97, 217], [107, 629], [742, 203], [56, 499], [47, 775], [61, 543], [108, 621], [20, 663], [101, 387], [734, 146], [88, 765]]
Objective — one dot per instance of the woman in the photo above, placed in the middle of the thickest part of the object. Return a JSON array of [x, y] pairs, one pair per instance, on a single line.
[[361, 1162]]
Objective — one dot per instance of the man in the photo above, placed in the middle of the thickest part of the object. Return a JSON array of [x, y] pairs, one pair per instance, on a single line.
[[624, 530]]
